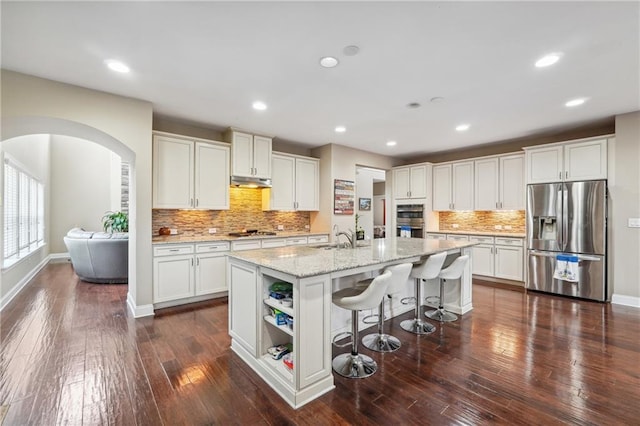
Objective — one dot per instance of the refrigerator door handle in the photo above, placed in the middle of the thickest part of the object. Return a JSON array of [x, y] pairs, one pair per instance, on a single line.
[[565, 217], [542, 253], [554, 254]]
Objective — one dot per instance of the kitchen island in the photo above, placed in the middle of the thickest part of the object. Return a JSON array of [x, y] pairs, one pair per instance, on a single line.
[[314, 273]]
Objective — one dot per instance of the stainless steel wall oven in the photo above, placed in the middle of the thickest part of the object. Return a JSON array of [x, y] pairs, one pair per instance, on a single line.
[[411, 215]]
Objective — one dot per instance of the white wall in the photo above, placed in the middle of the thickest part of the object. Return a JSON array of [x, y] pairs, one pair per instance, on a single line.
[[32, 153], [82, 181], [364, 189], [124, 125], [624, 189]]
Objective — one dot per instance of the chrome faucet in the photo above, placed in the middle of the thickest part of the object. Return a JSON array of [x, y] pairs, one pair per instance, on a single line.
[[351, 238]]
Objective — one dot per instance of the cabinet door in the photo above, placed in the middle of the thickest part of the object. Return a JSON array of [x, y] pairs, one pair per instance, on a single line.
[[512, 187], [486, 184], [442, 187], [262, 157], [211, 177], [243, 305], [544, 164], [483, 259], [242, 154], [173, 278], [173, 166], [585, 160], [462, 195], [307, 182], [282, 191], [418, 182], [508, 263], [401, 178], [211, 273]]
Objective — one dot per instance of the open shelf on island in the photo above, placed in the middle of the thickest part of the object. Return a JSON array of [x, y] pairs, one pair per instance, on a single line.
[[278, 366], [279, 306], [271, 320]]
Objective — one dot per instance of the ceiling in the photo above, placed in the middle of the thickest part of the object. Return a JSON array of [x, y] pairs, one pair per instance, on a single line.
[[205, 63]]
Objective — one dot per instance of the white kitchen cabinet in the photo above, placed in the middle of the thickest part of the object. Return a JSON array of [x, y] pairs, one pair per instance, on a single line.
[[568, 161], [274, 242], [317, 239], [243, 305], [190, 173], [183, 271], [509, 258], [436, 237], [251, 244], [250, 154], [410, 182], [499, 183], [457, 237], [453, 186], [295, 184], [483, 255], [296, 241]]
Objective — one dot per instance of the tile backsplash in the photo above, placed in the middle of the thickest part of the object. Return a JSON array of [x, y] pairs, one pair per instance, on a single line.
[[245, 212], [483, 221]]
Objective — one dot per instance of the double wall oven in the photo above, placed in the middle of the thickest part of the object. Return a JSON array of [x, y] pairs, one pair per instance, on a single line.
[[410, 216]]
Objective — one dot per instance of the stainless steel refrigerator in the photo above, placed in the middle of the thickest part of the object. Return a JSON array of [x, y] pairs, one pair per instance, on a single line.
[[568, 221]]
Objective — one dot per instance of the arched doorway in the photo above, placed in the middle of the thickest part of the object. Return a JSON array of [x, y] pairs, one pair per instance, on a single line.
[[14, 127]]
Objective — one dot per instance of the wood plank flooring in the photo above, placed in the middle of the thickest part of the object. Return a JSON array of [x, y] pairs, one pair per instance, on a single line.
[[71, 354]]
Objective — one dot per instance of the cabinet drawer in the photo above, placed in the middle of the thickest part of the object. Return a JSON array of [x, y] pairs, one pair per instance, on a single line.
[[509, 241], [212, 247], [436, 237], [457, 237], [294, 241], [317, 239], [274, 242], [481, 239], [172, 249], [245, 245]]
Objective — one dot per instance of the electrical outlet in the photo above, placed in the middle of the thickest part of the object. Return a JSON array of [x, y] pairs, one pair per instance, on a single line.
[[306, 227], [455, 225], [213, 230], [280, 228], [498, 227], [634, 222], [173, 231], [507, 227]]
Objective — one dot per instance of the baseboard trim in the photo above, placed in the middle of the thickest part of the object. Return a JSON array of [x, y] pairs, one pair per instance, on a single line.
[[22, 283], [621, 299], [59, 257], [138, 311]]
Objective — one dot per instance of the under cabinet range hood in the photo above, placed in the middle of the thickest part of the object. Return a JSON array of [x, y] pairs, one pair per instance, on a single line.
[[250, 182]]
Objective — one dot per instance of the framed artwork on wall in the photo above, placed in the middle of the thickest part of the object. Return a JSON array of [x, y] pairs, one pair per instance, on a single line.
[[343, 196], [364, 204]]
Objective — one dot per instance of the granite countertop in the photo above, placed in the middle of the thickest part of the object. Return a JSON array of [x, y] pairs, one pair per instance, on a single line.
[[493, 234], [212, 238], [307, 261]]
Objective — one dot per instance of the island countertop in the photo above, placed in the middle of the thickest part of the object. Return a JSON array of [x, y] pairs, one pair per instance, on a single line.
[[307, 261]]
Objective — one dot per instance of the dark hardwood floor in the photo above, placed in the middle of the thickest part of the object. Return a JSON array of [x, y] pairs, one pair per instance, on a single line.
[[71, 354]]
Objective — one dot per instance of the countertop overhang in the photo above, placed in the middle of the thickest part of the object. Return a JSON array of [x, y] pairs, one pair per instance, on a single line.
[[307, 261]]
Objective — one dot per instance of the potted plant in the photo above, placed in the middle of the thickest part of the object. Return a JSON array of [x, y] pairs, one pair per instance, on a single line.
[[359, 230], [115, 222]]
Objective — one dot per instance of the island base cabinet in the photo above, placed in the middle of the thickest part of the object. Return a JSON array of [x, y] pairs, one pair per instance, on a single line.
[[243, 306]]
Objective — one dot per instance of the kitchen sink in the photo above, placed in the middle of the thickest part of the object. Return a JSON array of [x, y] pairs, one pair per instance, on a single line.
[[330, 246]]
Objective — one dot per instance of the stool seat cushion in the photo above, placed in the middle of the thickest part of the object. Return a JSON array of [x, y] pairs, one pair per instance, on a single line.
[[455, 270], [357, 299], [430, 268]]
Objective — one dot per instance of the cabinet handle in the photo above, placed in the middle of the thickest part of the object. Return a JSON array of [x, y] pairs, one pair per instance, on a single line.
[[191, 203], [566, 175], [198, 261], [174, 249], [559, 175], [191, 262], [197, 202]]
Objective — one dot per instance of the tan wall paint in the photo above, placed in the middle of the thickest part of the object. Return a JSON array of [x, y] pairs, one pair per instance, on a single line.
[[624, 190], [124, 122]]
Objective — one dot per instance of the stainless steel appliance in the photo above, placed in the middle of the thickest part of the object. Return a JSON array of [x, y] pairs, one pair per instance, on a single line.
[[412, 216], [568, 220]]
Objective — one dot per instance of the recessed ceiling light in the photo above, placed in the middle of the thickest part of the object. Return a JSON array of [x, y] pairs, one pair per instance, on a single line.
[[391, 143], [462, 127], [351, 50], [413, 105], [340, 129], [259, 105], [548, 60], [328, 62], [575, 102], [116, 66]]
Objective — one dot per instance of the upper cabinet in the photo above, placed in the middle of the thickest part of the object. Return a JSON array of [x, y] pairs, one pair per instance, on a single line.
[[499, 183], [410, 181], [453, 186], [190, 173], [569, 161], [295, 184], [250, 154]]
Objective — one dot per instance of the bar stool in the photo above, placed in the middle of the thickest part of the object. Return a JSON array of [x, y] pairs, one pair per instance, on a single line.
[[354, 365], [452, 272], [381, 342], [427, 270]]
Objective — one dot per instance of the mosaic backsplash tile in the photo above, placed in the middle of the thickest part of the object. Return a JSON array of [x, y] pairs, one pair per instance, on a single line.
[[245, 212], [483, 221]]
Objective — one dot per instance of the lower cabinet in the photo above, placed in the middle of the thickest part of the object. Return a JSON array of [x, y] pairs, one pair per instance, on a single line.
[[182, 271], [499, 257], [483, 255]]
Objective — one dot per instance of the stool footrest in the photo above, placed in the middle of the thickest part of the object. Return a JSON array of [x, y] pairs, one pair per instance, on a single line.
[[372, 319], [432, 300], [341, 336], [408, 300]]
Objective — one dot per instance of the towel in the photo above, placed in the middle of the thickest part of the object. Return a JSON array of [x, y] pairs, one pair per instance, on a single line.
[[566, 268]]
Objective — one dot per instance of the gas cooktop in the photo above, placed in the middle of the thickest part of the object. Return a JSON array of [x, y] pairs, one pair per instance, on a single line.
[[250, 233]]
